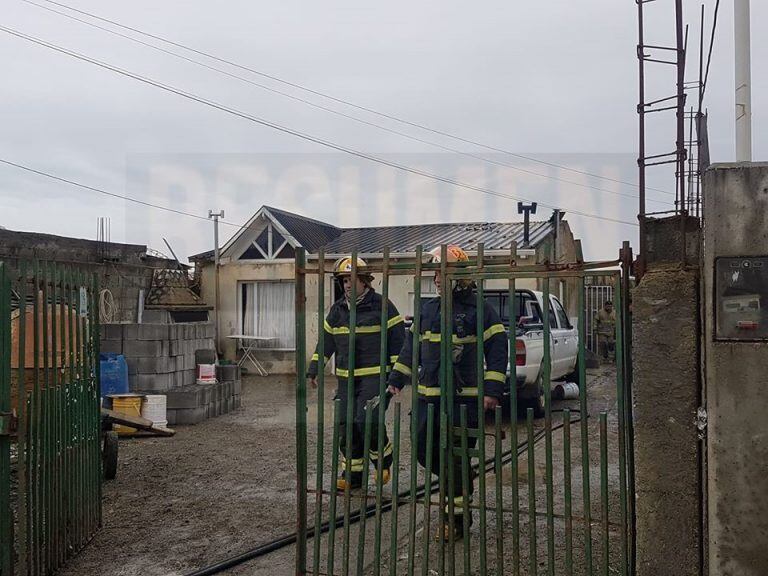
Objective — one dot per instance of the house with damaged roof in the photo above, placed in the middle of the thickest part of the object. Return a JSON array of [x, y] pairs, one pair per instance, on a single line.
[[257, 274]]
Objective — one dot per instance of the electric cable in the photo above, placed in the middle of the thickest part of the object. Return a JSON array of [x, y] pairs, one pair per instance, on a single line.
[[358, 119], [341, 100], [294, 132]]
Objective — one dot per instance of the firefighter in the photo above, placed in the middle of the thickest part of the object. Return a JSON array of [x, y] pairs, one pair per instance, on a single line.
[[465, 340], [367, 368], [605, 326]]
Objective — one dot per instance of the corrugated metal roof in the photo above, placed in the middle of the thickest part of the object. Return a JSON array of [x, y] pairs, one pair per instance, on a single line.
[[405, 239], [313, 234]]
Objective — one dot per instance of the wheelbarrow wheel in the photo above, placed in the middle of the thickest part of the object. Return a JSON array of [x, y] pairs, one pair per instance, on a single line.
[[109, 455]]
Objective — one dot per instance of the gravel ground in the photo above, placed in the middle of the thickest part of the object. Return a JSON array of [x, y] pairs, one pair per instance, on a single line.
[[228, 485]]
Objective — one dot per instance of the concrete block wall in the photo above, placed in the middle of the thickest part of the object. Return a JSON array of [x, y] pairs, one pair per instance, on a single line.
[[163, 358], [160, 357], [198, 402]]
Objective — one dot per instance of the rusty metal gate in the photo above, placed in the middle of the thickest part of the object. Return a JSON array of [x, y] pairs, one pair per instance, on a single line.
[[563, 507], [50, 459]]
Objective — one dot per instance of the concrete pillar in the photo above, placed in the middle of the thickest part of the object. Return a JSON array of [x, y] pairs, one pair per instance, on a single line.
[[666, 396], [736, 225]]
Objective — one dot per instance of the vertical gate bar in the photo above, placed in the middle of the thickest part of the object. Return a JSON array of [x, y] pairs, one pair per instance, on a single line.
[[364, 491], [96, 321], [427, 493], [349, 421], [47, 432], [87, 411], [480, 370], [443, 379], [395, 492], [83, 414], [547, 375], [36, 426], [584, 413], [334, 491], [415, 406], [512, 314], [32, 443], [57, 362], [320, 413], [451, 397], [567, 492], [465, 465], [23, 435], [60, 416], [301, 413], [532, 560], [81, 464], [6, 516], [71, 528], [384, 363], [604, 486], [619, 355], [626, 270], [499, 496], [76, 408]]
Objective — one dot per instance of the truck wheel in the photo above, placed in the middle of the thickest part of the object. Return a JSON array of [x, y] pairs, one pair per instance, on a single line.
[[536, 403], [109, 455]]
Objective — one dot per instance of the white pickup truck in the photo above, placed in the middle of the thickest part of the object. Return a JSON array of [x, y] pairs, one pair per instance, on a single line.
[[529, 346]]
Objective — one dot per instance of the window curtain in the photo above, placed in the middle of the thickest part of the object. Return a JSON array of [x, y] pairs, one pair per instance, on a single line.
[[268, 310]]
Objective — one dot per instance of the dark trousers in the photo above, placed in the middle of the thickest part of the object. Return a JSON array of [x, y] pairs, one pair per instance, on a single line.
[[364, 390], [422, 448]]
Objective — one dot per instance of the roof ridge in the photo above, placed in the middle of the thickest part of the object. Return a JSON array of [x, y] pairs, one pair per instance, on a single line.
[[445, 224], [295, 215]]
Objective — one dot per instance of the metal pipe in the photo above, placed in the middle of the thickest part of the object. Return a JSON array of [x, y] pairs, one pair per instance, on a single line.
[[743, 65]]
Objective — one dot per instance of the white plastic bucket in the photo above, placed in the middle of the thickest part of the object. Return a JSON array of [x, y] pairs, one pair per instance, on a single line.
[[154, 408], [206, 372]]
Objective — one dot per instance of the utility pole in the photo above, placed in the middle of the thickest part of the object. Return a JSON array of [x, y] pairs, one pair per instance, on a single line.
[[743, 81], [216, 216]]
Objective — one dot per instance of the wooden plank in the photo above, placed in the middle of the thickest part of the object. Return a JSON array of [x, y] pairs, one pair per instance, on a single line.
[[136, 422]]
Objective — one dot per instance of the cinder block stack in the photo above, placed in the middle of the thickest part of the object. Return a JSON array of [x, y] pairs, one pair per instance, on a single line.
[[162, 359]]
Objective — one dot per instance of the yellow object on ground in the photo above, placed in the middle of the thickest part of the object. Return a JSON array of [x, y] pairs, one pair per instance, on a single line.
[[129, 404]]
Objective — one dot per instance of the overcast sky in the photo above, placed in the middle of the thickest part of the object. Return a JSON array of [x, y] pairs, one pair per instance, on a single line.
[[554, 80]]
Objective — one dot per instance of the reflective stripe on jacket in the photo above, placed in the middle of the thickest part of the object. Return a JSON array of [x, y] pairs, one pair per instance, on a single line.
[[464, 349], [367, 336]]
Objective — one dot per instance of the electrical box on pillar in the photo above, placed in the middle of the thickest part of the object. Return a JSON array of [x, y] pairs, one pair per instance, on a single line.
[[741, 298]]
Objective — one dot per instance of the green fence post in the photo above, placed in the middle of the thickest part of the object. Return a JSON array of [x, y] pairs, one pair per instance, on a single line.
[[23, 415], [480, 370], [395, 493], [320, 412], [547, 376], [6, 515], [532, 559], [301, 414], [584, 412], [416, 349], [515, 497], [619, 355]]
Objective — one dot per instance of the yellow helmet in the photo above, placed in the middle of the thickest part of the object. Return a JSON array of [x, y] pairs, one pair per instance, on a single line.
[[343, 267], [454, 253]]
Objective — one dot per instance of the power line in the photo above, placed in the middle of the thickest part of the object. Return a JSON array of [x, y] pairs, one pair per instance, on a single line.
[[346, 102], [291, 131], [112, 194], [337, 112]]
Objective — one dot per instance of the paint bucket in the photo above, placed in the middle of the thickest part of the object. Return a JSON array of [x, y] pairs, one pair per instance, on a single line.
[[128, 404], [565, 391], [206, 373], [154, 408]]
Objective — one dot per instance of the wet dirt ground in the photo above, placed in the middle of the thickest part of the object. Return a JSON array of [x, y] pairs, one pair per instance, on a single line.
[[228, 485]]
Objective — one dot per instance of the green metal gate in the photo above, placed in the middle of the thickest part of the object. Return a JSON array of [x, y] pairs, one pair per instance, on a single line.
[[50, 459], [560, 508]]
